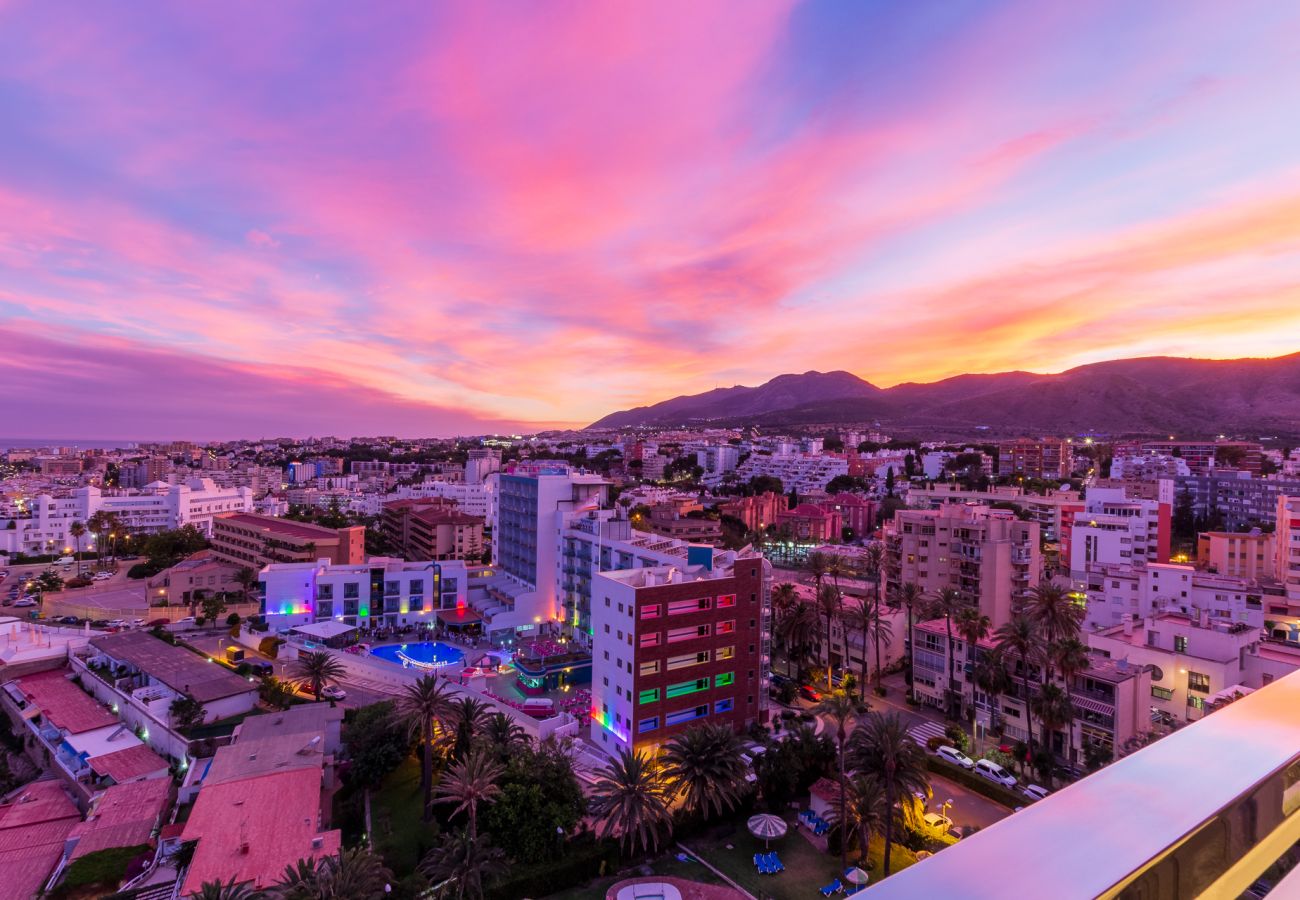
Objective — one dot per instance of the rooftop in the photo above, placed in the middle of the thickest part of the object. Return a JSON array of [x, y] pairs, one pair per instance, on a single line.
[[287, 527], [176, 667], [130, 764], [62, 703], [33, 829], [123, 816]]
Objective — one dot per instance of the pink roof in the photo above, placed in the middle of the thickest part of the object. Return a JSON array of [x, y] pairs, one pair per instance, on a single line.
[[33, 829], [281, 526], [123, 816], [63, 703], [252, 828], [129, 764]]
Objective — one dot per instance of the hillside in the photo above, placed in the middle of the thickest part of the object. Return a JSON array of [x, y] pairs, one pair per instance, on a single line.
[[1147, 395]]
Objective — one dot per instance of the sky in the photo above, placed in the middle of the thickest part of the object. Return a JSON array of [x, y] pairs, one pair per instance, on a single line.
[[245, 219]]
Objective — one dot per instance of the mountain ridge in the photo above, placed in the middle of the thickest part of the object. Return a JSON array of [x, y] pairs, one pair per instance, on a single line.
[[1138, 395]]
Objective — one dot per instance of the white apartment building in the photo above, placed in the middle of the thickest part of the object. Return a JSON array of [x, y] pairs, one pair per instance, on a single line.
[[1115, 530], [718, 460], [475, 498], [1149, 589], [382, 592], [1150, 467], [800, 472], [159, 506], [1286, 546]]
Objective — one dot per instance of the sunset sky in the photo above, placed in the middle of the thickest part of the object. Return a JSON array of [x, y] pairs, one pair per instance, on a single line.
[[241, 219]]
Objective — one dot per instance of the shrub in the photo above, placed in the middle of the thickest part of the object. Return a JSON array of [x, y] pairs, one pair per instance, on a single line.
[[935, 743], [579, 863], [233, 619], [957, 737], [270, 646]]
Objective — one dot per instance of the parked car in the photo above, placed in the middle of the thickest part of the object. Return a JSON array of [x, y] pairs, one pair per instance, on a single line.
[[808, 692], [158, 623], [99, 623], [137, 623], [333, 692], [116, 623], [259, 667], [937, 823], [995, 773], [102, 576], [187, 622], [955, 756], [1034, 791], [26, 601]]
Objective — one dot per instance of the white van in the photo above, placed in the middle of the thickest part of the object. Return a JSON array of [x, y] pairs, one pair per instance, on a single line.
[[66, 561], [995, 773]]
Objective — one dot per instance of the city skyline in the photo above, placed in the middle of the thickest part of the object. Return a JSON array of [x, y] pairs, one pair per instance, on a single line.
[[439, 220]]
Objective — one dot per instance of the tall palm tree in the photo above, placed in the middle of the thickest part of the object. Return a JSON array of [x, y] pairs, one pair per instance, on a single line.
[[98, 525], [785, 597], [1055, 711], [858, 618], [355, 874], [1021, 639], [460, 866], [973, 627], [842, 712], [881, 747], [470, 716], [470, 782], [798, 631], [1057, 615], [829, 603], [991, 677], [318, 669], [864, 812], [217, 890], [704, 768], [1072, 657], [78, 531], [247, 579], [818, 563], [947, 604], [504, 735], [425, 706], [835, 567], [910, 596], [629, 798]]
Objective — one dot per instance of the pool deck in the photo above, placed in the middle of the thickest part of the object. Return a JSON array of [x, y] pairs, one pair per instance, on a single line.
[[689, 890]]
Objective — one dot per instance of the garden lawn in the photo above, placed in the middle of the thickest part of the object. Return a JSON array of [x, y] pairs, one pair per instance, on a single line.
[[395, 809], [806, 868]]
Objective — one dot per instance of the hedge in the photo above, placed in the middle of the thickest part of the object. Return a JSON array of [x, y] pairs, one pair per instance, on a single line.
[[977, 783]]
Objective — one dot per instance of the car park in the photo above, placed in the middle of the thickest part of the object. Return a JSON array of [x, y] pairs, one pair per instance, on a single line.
[[955, 756], [995, 773]]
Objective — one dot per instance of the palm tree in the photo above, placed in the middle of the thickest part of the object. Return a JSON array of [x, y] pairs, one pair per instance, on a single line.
[[629, 798], [883, 748], [1021, 639], [425, 706], [785, 597], [1057, 615], [864, 812], [355, 874], [818, 564], [78, 531], [98, 525], [470, 782], [909, 595], [840, 709], [947, 605], [859, 618], [460, 865], [1072, 657], [973, 627], [835, 567], [1055, 711], [504, 735], [798, 631], [470, 716], [828, 601], [216, 890], [991, 677], [704, 767], [247, 579], [318, 669]]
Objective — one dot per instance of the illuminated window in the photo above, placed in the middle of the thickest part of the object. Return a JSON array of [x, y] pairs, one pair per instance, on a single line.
[[650, 696], [1197, 681], [682, 662], [725, 679], [726, 601], [687, 687], [724, 706], [650, 640], [726, 652], [649, 724], [728, 627], [689, 633], [650, 668], [650, 612], [679, 607], [687, 715]]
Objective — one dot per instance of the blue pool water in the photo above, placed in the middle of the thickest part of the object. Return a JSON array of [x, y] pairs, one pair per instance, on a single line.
[[424, 655]]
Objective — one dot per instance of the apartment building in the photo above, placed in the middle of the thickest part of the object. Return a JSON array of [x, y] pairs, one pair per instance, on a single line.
[[1053, 511], [757, 512], [1286, 547], [1148, 467], [718, 459], [1241, 502], [1250, 555], [143, 472], [1201, 456], [248, 539], [988, 555], [810, 522], [1048, 458], [432, 529], [797, 471], [1117, 592], [1114, 529], [1195, 662], [482, 462], [667, 519], [676, 646], [1110, 697], [383, 592]]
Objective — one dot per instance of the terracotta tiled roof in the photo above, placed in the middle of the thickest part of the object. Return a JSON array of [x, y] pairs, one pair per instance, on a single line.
[[63, 703]]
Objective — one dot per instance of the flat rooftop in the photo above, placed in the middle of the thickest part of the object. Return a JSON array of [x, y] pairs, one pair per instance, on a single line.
[[181, 670], [287, 527]]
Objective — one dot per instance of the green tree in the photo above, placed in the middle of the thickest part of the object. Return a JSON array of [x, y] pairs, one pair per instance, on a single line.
[[703, 766], [355, 874], [186, 713], [882, 748], [1020, 638], [213, 605], [470, 716], [840, 710], [78, 531], [541, 801], [864, 812], [1055, 711], [247, 579], [425, 707], [504, 736], [469, 783], [377, 740], [798, 631], [462, 865], [947, 604], [317, 670], [829, 603], [1058, 618], [629, 799], [229, 890]]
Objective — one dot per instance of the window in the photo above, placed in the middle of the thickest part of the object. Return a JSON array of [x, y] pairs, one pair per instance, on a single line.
[[649, 724], [650, 640], [1180, 643], [325, 591], [1161, 693], [726, 601], [1011, 711], [723, 706], [687, 715], [727, 627], [648, 696], [687, 687], [681, 662], [1198, 682], [650, 668], [392, 587], [689, 633], [650, 612], [726, 652], [351, 590], [417, 603], [678, 607], [417, 585], [727, 678], [325, 609]]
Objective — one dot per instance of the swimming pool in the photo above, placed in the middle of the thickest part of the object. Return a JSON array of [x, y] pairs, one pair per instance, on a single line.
[[423, 655]]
